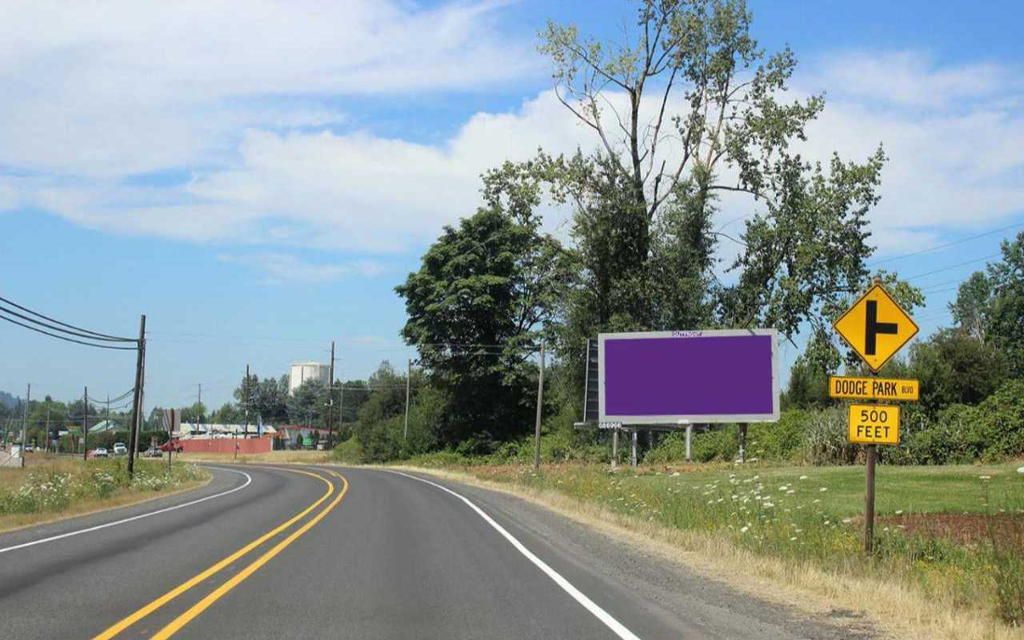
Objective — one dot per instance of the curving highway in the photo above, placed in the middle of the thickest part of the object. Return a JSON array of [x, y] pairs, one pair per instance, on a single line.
[[324, 552]]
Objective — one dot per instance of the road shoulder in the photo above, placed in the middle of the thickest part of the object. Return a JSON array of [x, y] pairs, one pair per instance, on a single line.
[[718, 596]]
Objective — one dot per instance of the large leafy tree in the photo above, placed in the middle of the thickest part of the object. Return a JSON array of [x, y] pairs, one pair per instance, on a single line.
[[1005, 314], [688, 111], [971, 307], [955, 368], [478, 305], [990, 305], [308, 404]]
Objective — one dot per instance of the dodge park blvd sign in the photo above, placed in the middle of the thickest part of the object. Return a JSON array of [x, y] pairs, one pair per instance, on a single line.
[[873, 388]]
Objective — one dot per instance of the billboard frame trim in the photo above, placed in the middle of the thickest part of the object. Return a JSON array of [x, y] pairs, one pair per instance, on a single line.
[[666, 420]]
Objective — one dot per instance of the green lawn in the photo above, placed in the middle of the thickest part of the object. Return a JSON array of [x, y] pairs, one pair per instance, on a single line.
[[948, 489]]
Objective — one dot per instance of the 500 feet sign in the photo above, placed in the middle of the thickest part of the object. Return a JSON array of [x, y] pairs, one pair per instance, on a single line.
[[874, 424]]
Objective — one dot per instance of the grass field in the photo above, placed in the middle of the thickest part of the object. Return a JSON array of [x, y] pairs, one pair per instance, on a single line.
[[810, 518], [52, 487]]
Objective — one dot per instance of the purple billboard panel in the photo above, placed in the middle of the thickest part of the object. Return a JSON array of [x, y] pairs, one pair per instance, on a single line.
[[689, 376]]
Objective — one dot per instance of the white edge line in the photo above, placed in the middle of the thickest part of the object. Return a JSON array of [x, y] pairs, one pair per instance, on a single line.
[[617, 627], [248, 481]]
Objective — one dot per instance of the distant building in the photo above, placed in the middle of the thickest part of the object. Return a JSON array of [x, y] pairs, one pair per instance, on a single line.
[[191, 430], [305, 371]]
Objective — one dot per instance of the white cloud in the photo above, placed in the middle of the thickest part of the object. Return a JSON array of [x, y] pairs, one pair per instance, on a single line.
[[910, 79], [283, 268], [954, 136], [120, 87]]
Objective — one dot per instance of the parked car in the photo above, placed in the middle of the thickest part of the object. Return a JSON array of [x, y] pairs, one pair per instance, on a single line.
[[120, 449], [152, 452], [29, 448], [100, 452]]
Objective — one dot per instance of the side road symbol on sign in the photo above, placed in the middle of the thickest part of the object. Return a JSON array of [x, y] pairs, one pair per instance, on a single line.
[[876, 327]]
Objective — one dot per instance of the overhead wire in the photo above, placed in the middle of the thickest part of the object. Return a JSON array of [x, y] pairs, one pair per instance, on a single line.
[[65, 338], [952, 266], [96, 335], [945, 245], [56, 328]]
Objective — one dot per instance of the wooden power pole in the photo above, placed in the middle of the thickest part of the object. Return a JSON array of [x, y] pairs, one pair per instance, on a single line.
[[540, 410], [408, 386], [330, 402], [85, 427], [136, 416]]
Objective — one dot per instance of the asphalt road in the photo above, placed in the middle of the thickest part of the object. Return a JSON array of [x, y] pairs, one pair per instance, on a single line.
[[295, 552]]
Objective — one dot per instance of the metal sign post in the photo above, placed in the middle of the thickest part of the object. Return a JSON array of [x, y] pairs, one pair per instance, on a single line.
[[876, 328], [615, 447]]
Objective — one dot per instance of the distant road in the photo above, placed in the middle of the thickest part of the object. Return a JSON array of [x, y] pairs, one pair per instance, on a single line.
[[320, 552]]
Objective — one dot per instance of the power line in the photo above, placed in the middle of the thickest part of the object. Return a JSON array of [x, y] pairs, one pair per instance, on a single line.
[[953, 266], [96, 335], [53, 327], [60, 337], [948, 244]]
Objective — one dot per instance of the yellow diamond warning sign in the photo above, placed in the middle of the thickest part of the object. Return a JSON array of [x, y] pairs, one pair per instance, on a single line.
[[876, 327]]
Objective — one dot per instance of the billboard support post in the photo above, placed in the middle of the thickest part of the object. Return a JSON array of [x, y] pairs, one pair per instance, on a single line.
[[615, 447], [689, 441], [632, 457], [743, 442]]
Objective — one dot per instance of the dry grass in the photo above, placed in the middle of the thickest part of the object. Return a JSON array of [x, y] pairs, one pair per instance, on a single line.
[[11, 477], [901, 609], [87, 507], [279, 457]]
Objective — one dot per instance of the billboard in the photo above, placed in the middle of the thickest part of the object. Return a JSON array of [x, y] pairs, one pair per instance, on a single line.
[[669, 377]]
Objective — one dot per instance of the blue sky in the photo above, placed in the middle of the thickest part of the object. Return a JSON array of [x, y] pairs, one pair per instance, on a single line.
[[258, 179]]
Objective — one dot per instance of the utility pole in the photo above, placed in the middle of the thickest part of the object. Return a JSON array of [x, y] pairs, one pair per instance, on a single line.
[[24, 420], [85, 426], [341, 406], [245, 390], [199, 418], [107, 415], [330, 402], [47, 438], [408, 386], [540, 408], [136, 417]]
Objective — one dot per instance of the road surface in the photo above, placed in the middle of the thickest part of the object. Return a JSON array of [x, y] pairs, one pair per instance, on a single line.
[[321, 552]]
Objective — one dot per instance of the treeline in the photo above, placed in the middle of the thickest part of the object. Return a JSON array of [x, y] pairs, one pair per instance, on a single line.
[[701, 128], [268, 400], [694, 124]]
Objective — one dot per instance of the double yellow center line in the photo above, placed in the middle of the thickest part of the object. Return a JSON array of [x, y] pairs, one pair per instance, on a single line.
[[235, 580]]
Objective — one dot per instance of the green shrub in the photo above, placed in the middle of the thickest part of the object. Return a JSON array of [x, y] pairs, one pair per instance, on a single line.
[[439, 460], [672, 448], [825, 437], [721, 442], [780, 440], [1002, 421], [347, 452]]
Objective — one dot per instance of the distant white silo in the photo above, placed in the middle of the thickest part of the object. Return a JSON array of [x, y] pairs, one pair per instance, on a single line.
[[303, 371]]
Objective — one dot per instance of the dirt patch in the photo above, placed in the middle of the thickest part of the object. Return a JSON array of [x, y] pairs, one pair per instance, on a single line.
[[965, 528]]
